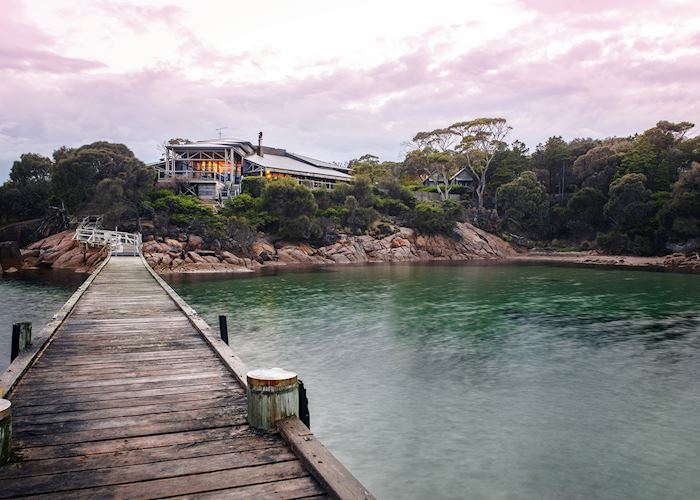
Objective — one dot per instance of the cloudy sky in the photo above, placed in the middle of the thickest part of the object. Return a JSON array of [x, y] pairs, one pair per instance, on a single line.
[[338, 79]]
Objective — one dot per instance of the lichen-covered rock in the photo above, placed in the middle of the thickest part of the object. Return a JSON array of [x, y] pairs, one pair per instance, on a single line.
[[194, 242], [404, 245]]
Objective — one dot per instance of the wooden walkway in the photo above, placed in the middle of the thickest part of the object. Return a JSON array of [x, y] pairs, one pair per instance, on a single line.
[[130, 400]]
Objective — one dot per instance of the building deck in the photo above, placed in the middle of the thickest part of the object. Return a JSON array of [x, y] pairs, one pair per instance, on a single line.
[[129, 400]]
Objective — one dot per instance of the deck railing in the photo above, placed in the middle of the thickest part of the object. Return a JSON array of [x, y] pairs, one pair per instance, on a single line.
[[119, 242]]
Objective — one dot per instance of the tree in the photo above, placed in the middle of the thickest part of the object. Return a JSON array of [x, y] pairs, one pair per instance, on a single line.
[[556, 157], [585, 212], [26, 194], [522, 204], [657, 155], [508, 164], [77, 175], [629, 202], [368, 166], [291, 206], [480, 140], [435, 157], [31, 168], [682, 213], [598, 166]]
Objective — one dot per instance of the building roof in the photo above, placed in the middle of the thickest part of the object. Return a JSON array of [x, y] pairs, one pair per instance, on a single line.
[[463, 175], [291, 165], [318, 163]]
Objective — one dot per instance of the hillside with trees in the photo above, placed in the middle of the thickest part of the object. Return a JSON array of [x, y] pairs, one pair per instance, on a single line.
[[623, 195]]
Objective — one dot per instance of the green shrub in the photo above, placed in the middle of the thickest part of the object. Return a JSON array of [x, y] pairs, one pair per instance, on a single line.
[[253, 185], [335, 214], [179, 209], [391, 206], [613, 242], [249, 210], [286, 198], [358, 218], [299, 228], [394, 190], [431, 218]]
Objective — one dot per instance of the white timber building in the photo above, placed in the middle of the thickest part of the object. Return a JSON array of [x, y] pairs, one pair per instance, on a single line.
[[214, 169]]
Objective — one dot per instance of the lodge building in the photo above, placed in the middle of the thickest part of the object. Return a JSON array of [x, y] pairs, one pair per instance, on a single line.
[[214, 169]]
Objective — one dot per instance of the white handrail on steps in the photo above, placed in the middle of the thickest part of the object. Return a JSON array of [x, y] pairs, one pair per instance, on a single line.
[[117, 240]]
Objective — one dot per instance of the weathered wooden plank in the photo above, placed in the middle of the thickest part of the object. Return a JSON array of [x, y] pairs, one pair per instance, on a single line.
[[37, 377], [192, 484], [99, 382], [303, 487], [161, 399], [33, 440], [105, 396], [327, 469], [122, 445], [244, 442], [224, 401], [24, 429], [66, 481], [126, 386], [86, 359]]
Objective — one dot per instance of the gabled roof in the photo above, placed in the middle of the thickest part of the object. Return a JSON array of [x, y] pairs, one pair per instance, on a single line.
[[464, 174], [290, 165]]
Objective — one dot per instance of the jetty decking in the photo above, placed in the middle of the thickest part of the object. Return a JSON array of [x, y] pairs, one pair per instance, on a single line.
[[130, 399]]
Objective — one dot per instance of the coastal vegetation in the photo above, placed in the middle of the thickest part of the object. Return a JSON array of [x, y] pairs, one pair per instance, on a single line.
[[623, 195]]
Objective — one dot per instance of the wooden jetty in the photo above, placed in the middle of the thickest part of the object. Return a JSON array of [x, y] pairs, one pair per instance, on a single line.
[[127, 393]]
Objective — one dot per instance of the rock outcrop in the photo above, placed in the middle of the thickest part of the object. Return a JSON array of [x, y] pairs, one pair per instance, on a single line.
[[404, 245], [61, 251], [683, 262]]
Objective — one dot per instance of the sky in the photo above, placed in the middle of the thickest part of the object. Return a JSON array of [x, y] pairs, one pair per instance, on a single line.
[[336, 80]]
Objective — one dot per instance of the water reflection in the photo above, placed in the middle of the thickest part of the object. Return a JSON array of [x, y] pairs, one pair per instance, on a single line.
[[32, 296], [500, 381]]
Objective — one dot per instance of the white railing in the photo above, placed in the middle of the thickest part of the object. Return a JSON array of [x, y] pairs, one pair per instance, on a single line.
[[118, 241]]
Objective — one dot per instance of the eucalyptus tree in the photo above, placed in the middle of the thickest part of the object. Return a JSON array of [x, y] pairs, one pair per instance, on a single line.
[[434, 156], [479, 141]]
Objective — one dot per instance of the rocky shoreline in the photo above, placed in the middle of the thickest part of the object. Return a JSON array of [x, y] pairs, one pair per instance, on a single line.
[[59, 251], [185, 255], [188, 254], [674, 262]]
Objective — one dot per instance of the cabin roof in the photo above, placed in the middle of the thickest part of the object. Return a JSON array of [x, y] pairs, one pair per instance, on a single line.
[[290, 165]]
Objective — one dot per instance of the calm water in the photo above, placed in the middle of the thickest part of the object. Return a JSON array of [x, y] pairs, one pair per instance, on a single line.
[[485, 382], [32, 296]]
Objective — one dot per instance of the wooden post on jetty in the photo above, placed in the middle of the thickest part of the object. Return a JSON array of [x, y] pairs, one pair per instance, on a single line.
[[21, 338], [223, 329], [5, 431], [25, 335], [273, 394]]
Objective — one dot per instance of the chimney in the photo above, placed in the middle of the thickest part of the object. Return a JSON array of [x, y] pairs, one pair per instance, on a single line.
[[260, 150]]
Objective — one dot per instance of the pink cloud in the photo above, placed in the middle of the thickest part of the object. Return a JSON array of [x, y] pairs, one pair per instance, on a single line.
[[26, 48], [603, 84]]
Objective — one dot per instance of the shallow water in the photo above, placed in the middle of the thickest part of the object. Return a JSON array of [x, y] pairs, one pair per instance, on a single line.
[[32, 296], [486, 382]]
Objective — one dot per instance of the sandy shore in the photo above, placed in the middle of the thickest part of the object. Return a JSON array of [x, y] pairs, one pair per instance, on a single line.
[[666, 263]]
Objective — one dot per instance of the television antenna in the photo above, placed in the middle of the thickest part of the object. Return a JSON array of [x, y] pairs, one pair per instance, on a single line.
[[219, 130]]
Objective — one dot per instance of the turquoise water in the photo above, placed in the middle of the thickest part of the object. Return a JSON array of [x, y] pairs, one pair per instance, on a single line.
[[485, 382], [32, 296]]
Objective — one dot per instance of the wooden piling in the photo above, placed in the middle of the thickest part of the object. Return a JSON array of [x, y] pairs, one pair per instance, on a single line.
[[223, 328], [273, 394], [14, 350], [304, 414], [25, 335], [5, 431]]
